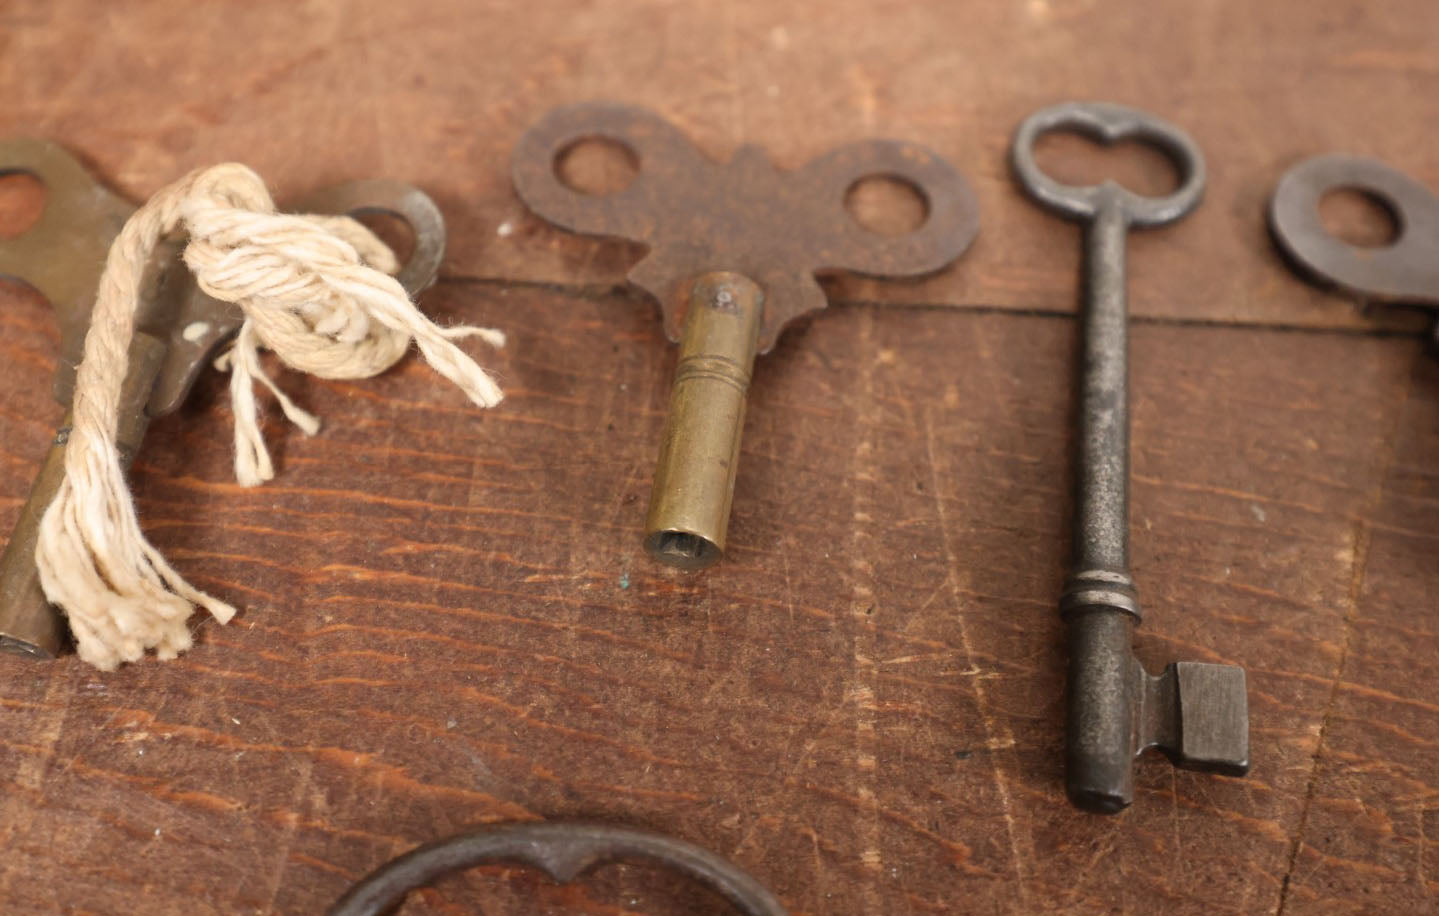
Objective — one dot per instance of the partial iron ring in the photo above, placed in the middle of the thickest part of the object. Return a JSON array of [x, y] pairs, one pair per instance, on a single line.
[[562, 850]]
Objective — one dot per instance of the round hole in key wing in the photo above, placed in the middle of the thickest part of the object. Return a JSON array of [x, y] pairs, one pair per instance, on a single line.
[[597, 166], [887, 204], [22, 200], [392, 229], [1076, 160], [1360, 217]]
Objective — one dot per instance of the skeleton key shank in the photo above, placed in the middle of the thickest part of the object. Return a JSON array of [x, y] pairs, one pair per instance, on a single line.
[[1099, 603], [1102, 513]]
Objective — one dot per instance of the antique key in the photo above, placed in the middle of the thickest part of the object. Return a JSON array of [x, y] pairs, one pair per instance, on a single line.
[[562, 849], [733, 250], [178, 330], [1406, 271], [1197, 714]]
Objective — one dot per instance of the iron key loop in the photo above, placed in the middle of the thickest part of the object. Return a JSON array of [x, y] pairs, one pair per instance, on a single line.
[[178, 330], [1406, 271], [562, 850], [1197, 714], [733, 252]]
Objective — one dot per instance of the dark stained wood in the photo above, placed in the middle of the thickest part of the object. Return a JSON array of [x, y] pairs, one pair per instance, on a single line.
[[447, 619], [1369, 804]]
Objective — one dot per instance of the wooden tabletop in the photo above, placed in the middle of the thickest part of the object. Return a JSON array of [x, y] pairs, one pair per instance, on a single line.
[[446, 617]]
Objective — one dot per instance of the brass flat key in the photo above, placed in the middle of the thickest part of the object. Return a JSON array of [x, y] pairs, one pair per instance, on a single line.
[[733, 252], [178, 330]]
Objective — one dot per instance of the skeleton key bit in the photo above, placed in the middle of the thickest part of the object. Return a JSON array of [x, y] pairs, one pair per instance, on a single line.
[[1406, 271], [733, 253], [1197, 714], [178, 329]]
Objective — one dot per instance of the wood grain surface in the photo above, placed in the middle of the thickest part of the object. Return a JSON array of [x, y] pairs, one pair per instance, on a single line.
[[447, 620]]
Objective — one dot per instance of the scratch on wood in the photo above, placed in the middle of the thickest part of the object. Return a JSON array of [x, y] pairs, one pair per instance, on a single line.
[[862, 612], [991, 725], [286, 840], [1360, 542], [30, 771]]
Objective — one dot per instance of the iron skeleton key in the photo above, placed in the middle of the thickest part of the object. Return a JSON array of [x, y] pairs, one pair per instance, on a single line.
[[1196, 713], [564, 850], [733, 252], [178, 330], [1403, 272]]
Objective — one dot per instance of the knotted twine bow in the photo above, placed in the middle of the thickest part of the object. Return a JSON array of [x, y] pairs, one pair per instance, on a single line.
[[317, 290]]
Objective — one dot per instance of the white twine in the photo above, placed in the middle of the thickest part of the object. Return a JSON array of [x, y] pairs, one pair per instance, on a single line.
[[317, 290]]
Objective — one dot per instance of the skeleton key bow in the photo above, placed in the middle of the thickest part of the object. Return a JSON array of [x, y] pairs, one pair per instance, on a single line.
[[1404, 271]]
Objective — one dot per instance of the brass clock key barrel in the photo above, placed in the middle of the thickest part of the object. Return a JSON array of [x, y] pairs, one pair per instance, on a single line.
[[733, 252], [179, 329], [699, 451]]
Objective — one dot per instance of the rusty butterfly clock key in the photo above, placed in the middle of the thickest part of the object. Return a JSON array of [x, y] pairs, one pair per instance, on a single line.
[[178, 331], [733, 252]]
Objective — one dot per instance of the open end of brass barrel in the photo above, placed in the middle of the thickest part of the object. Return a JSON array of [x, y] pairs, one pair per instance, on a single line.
[[682, 549], [699, 451]]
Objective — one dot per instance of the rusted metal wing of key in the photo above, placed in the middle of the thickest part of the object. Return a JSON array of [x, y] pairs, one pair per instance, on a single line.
[[733, 252], [178, 330]]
